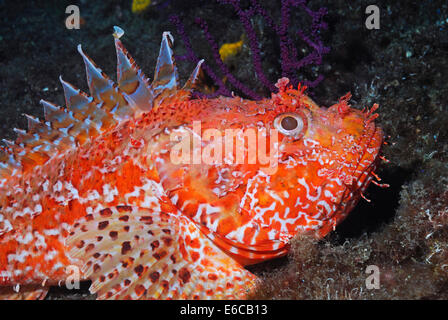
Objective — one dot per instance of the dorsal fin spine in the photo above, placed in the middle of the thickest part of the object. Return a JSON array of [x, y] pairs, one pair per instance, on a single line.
[[19, 131], [65, 122], [166, 77], [32, 122], [193, 80], [131, 80], [104, 90], [108, 104], [84, 107]]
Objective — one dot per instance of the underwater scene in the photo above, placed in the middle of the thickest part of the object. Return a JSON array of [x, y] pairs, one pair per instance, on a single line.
[[224, 149]]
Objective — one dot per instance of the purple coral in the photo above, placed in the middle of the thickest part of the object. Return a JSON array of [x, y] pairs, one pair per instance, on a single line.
[[290, 63]]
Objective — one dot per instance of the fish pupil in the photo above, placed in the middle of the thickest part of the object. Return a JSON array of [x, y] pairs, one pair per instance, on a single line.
[[289, 123]]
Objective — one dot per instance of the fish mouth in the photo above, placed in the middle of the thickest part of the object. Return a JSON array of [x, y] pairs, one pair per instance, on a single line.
[[369, 159], [372, 139]]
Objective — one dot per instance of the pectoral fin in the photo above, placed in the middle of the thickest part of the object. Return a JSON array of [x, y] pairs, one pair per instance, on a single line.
[[138, 253]]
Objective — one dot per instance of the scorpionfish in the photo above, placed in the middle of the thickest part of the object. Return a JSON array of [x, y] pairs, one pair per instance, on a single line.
[[93, 191]]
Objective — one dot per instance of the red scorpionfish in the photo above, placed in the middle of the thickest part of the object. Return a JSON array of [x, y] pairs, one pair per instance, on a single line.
[[97, 192]]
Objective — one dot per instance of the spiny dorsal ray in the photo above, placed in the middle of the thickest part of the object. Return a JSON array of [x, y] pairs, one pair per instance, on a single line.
[[166, 79], [33, 153], [106, 91], [131, 80], [85, 108], [195, 77], [42, 140], [54, 140], [20, 155], [8, 164], [33, 123], [65, 122]]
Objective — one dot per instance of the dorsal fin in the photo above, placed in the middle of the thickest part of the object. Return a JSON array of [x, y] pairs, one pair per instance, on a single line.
[[37, 145], [23, 138], [107, 105], [106, 91], [195, 78], [65, 122], [19, 132], [9, 144], [40, 142], [31, 151], [131, 80], [33, 123], [85, 108], [52, 139], [26, 159], [40, 137], [8, 164], [166, 79]]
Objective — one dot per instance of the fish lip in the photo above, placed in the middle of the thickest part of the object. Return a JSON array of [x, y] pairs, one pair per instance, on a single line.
[[353, 191], [374, 141]]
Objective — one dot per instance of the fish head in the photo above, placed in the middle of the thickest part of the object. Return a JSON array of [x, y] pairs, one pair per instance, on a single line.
[[327, 158]]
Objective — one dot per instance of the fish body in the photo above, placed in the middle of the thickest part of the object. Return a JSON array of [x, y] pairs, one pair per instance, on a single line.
[[132, 186]]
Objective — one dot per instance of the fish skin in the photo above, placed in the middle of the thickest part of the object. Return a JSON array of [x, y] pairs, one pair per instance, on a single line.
[[55, 209], [319, 179]]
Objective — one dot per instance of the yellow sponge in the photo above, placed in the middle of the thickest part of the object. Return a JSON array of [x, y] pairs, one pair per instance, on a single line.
[[228, 50], [139, 6]]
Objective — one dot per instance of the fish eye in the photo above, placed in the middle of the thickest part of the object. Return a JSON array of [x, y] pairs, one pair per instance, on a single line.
[[290, 124]]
